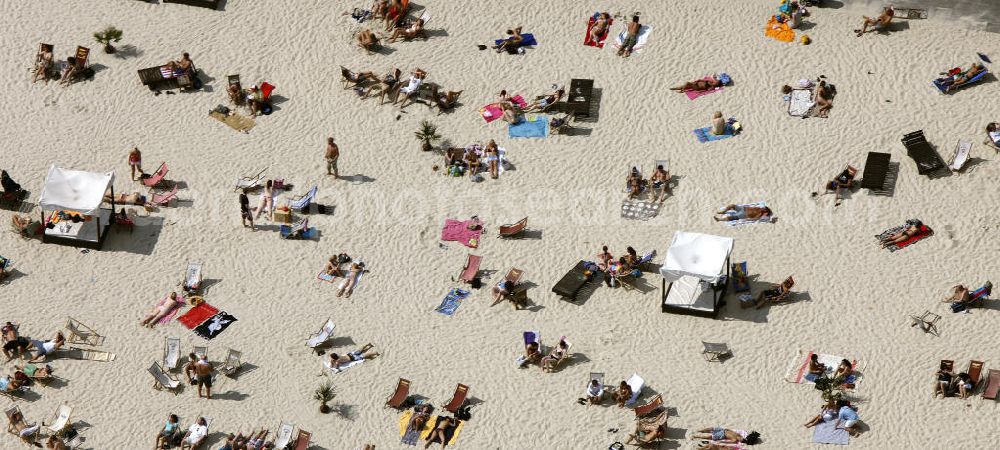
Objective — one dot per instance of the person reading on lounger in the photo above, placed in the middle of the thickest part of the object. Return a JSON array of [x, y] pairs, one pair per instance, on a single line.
[[961, 298], [438, 434], [414, 30], [699, 85], [878, 23], [740, 212], [719, 434], [912, 229], [631, 37], [46, 348], [43, 64], [623, 394], [336, 360], [549, 362], [195, 434], [943, 378], [600, 26], [160, 311], [367, 40], [512, 42]]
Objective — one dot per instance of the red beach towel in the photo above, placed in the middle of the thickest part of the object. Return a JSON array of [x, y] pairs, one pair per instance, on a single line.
[[600, 42], [695, 94], [458, 231], [195, 316]]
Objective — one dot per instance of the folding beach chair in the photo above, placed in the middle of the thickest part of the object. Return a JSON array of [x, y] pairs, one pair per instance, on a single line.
[[80, 62], [239, 99], [171, 353], [157, 177], [567, 356], [777, 294], [975, 372], [560, 125], [200, 351], [507, 231], [961, 156], [192, 277], [398, 397], [163, 198], [513, 276], [927, 321], [283, 435], [302, 440], [298, 230], [636, 383], [302, 202], [715, 351], [649, 407], [163, 380], [60, 419], [471, 268], [232, 364], [250, 182], [458, 399], [319, 338], [82, 334], [16, 421], [992, 384]]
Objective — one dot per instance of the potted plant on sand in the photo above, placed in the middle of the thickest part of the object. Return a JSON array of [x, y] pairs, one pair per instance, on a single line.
[[107, 36], [427, 134], [324, 394]]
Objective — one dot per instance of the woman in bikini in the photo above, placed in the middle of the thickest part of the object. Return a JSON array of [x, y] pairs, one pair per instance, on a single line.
[[472, 161], [266, 201], [159, 312], [912, 229], [558, 353], [413, 31], [600, 27], [438, 433], [698, 85], [135, 161], [623, 394], [351, 280], [493, 159]]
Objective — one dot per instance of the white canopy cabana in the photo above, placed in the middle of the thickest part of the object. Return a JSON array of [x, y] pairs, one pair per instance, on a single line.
[[696, 266], [81, 192]]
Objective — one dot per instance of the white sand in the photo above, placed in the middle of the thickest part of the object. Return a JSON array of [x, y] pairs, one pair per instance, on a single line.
[[858, 295]]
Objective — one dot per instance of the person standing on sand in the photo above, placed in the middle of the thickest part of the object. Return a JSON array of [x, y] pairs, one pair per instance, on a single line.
[[245, 214], [135, 161], [332, 155], [203, 370]]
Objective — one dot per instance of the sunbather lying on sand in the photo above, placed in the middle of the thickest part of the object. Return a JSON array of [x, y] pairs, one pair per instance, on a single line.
[[134, 198], [351, 280], [339, 360], [739, 212], [46, 348], [956, 81], [420, 415], [512, 42], [159, 312], [719, 434], [631, 37], [367, 40], [438, 434], [414, 30], [878, 23], [912, 229], [698, 85]]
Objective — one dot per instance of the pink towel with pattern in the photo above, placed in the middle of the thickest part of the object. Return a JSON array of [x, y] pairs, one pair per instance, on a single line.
[[458, 231]]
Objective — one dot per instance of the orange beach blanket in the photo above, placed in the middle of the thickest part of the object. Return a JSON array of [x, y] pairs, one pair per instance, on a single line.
[[779, 31]]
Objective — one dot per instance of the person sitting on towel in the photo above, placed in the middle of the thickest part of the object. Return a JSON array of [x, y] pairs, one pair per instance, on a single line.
[[160, 311], [877, 23], [698, 85], [848, 417], [845, 373], [332, 267], [634, 183], [912, 229], [718, 124], [740, 212], [512, 42], [336, 361], [815, 367]]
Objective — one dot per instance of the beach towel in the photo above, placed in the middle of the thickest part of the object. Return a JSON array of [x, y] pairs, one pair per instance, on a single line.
[[235, 121], [599, 43], [778, 30], [640, 42], [705, 134], [458, 231], [342, 367], [533, 125], [215, 325], [799, 372], [493, 111], [452, 301], [741, 282], [527, 40], [925, 231], [411, 437], [196, 315], [826, 432], [640, 209], [173, 311], [800, 102], [740, 222], [693, 94]]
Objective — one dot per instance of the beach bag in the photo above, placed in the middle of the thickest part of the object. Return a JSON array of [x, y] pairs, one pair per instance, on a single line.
[[463, 413], [957, 307], [725, 79], [476, 283]]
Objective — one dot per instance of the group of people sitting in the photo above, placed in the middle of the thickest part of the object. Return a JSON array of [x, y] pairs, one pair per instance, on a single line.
[[626, 265], [533, 355], [45, 67], [949, 383], [469, 160], [841, 410], [254, 97], [843, 375], [335, 268], [32, 350], [658, 183], [171, 435], [29, 432], [513, 111], [367, 84]]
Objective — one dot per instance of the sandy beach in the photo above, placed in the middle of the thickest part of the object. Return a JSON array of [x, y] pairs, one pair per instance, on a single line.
[[851, 297]]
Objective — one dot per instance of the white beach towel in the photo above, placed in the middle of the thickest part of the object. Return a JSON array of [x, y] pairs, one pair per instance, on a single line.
[[766, 219], [800, 102], [342, 367], [640, 42]]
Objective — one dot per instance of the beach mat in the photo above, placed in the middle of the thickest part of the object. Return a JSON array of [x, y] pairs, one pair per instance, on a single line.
[[533, 126], [85, 355], [640, 42], [925, 232], [599, 43], [640, 209], [693, 94], [493, 111], [458, 231], [705, 134], [452, 301], [799, 372], [826, 432], [235, 121], [766, 219], [196, 315], [215, 325], [528, 40], [173, 312], [800, 102], [411, 437]]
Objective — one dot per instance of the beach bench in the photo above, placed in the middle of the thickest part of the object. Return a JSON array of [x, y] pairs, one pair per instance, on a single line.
[[570, 284], [399, 397], [580, 97], [876, 171], [917, 148], [210, 4]]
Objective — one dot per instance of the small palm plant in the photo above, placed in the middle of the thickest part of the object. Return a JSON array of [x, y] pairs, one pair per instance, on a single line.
[[427, 134], [325, 394], [107, 36]]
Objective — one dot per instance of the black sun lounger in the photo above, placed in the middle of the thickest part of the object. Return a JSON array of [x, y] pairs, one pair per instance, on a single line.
[[210, 4], [928, 160], [571, 283], [876, 171]]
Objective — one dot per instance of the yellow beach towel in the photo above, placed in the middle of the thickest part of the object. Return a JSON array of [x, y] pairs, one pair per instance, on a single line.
[[235, 121], [404, 423]]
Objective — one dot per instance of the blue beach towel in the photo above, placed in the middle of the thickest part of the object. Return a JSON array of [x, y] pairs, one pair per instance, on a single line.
[[705, 134], [452, 301], [533, 125], [528, 41]]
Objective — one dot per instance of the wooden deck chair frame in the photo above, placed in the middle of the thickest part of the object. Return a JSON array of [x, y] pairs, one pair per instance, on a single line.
[[79, 333], [10, 412], [282, 439], [399, 396], [302, 440], [328, 323], [61, 419], [171, 353], [82, 60], [514, 229], [650, 406], [715, 351], [458, 398], [232, 363], [156, 370], [251, 182], [927, 321], [992, 387]]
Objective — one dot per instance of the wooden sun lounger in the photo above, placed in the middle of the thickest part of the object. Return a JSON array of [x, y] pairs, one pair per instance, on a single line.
[[570, 284], [399, 396], [458, 399]]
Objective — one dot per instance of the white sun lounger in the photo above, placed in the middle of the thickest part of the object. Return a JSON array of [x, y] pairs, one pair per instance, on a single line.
[[961, 155], [171, 353], [192, 276], [60, 419], [322, 336], [636, 383], [163, 379], [284, 435]]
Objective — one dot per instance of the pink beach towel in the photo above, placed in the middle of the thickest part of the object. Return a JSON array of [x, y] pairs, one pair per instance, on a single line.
[[458, 231], [695, 94], [493, 112], [173, 312]]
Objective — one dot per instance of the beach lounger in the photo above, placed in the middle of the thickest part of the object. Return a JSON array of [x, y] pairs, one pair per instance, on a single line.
[[636, 383], [471, 268], [320, 337], [157, 177], [649, 407], [777, 294], [302, 202], [927, 159], [573, 281], [513, 276], [210, 4], [398, 397], [232, 364], [715, 351], [163, 198], [250, 182], [163, 380], [876, 171], [60, 419], [507, 231], [192, 277], [927, 321], [992, 384], [283, 435], [961, 156], [85, 354], [299, 230], [82, 334], [350, 78], [171, 353], [302, 440], [458, 399]]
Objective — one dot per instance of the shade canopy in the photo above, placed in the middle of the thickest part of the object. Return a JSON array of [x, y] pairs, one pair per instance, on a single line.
[[697, 255], [74, 190]]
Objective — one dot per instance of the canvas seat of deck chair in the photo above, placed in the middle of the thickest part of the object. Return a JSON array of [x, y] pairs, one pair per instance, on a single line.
[[471, 268], [636, 383], [400, 395], [506, 231], [649, 407], [171, 353], [324, 334], [232, 363], [193, 276], [82, 334], [163, 380], [458, 398]]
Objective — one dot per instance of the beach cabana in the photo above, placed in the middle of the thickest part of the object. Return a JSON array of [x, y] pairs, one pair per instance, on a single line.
[[71, 210], [694, 274]]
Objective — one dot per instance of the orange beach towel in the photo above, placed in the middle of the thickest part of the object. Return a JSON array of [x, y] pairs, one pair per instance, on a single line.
[[779, 31]]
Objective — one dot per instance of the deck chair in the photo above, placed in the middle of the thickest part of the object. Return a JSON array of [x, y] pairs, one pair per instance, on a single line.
[[975, 372], [927, 321], [961, 156], [80, 62], [777, 294], [302, 440], [283, 435], [636, 383], [15, 420], [250, 182], [157, 177], [171, 353], [513, 276], [298, 230], [60, 419], [876, 171], [240, 98], [560, 125], [163, 198], [508, 231], [200, 351], [163, 380], [458, 399], [232, 364], [649, 407], [302, 202], [470, 269], [82, 334], [567, 356], [398, 397], [715, 351], [320, 337], [192, 277], [992, 384]]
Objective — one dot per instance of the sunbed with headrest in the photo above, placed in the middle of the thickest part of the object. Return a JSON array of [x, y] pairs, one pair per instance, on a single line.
[[302, 440], [636, 383], [927, 159], [943, 84]]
